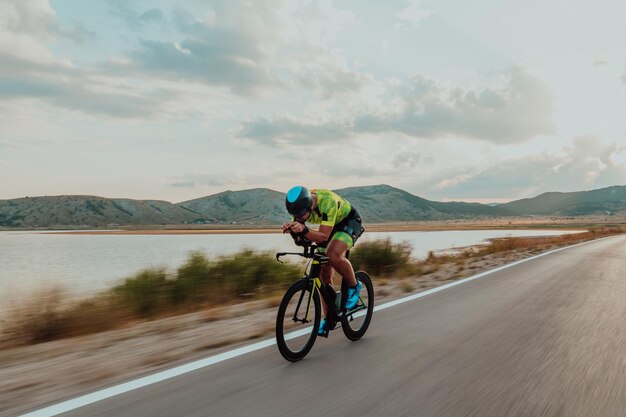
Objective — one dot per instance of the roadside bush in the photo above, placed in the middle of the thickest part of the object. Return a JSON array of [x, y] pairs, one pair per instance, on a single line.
[[199, 282], [39, 319], [382, 257], [194, 280], [146, 293], [49, 314], [96, 314], [251, 273]]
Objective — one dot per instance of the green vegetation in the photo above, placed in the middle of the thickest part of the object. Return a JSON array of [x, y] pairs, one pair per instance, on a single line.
[[202, 283], [382, 258], [146, 293], [151, 293]]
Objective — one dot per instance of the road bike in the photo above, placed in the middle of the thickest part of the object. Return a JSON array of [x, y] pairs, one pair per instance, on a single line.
[[299, 313]]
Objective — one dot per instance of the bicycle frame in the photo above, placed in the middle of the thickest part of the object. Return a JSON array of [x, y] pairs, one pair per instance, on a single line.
[[327, 292]]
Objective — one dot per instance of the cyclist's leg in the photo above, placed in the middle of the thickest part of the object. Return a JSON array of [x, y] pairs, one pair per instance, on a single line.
[[326, 275], [339, 244], [336, 250]]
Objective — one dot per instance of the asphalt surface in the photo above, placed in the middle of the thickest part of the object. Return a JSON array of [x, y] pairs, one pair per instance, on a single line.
[[544, 338]]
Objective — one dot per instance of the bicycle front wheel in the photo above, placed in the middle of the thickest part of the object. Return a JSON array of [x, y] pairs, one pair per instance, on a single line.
[[297, 321], [355, 323]]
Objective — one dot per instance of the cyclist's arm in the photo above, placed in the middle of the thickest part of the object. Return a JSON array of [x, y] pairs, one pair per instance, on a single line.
[[329, 216], [319, 236]]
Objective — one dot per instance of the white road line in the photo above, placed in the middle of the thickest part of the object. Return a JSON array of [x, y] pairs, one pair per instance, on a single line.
[[87, 399]]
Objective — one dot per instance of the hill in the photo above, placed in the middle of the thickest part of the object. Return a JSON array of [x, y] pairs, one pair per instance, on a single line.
[[90, 211], [608, 200], [262, 206], [254, 206], [383, 203], [377, 203]]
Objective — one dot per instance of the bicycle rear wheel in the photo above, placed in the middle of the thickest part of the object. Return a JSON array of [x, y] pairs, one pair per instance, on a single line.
[[297, 321], [356, 321]]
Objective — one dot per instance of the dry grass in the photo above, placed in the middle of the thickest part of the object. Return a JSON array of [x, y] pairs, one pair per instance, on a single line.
[[213, 315], [274, 300], [263, 331], [434, 262], [98, 375], [381, 282], [151, 294], [160, 359], [216, 345], [49, 315], [406, 286]]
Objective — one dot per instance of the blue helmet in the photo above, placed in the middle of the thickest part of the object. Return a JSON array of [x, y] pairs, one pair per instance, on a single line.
[[298, 201]]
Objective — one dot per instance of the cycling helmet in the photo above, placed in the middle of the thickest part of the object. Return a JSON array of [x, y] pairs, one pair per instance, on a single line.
[[298, 201]]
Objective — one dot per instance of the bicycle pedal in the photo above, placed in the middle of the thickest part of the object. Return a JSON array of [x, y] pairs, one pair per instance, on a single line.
[[329, 326]]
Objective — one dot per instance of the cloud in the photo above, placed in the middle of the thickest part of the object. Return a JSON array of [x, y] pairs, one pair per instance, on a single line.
[[222, 58], [586, 164], [26, 27], [238, 46], [29, 70], [407, 159], [287, 130], [315, 23], [227, 46], [412, 15], [77, 90], [133, 18], [152, 16], [419, 107], [243, 46], [515, 112], [220, 179], [329, 78]]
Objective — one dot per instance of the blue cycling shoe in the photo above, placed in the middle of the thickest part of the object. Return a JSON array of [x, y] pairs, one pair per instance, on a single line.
[[320, 330], [353, 296]]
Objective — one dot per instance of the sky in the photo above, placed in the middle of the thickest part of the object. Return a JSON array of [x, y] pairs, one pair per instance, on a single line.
[[486, 101]]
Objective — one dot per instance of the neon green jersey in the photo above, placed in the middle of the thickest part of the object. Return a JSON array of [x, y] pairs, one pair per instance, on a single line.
[[331, 208]]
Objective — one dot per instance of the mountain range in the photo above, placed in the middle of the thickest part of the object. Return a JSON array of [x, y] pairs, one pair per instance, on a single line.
[[260, 206]]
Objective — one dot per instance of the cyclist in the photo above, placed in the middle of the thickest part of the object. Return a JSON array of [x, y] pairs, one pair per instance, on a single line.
[[340, 227]]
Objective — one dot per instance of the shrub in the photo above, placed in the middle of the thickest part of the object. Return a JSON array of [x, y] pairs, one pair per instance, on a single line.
[[249, 272], [193, 280], [92, 315], [37, 319], [48, 315], [147, 292], [44, 321], [382, 257], [200, 281]]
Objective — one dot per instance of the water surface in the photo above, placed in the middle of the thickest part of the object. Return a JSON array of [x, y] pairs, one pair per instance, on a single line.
[[87, 263]]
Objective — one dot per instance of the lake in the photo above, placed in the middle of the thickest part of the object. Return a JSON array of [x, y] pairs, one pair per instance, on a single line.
[[88, 263]]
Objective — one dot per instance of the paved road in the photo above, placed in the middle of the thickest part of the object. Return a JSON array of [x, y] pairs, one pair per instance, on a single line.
[[543, 338]]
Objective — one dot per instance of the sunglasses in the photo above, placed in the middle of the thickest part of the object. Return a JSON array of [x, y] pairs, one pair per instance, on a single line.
[[300, 213]]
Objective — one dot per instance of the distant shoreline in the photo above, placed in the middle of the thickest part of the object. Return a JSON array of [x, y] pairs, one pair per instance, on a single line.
[[582, 222], [509, 223]]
